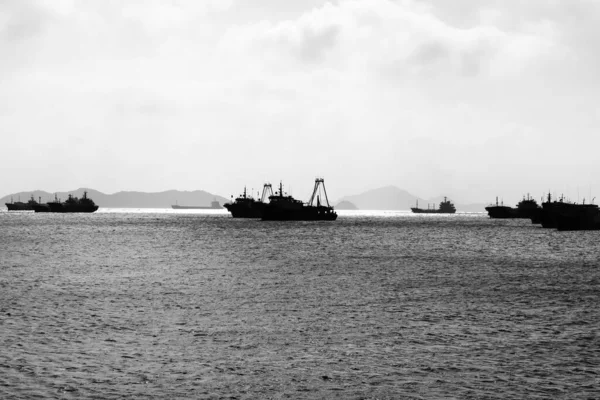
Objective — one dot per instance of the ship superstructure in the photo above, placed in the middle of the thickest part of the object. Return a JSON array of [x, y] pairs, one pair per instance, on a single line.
[[245, 206]]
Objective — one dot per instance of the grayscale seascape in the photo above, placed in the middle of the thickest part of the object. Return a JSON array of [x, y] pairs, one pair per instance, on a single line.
[[376, 305]]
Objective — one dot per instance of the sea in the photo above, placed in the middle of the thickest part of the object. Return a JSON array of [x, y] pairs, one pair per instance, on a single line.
[[193, 304]]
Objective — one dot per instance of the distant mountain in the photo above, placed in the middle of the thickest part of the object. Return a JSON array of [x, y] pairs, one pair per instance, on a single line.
[[126, 199], [345, 205], [385, 198], [394, 198]]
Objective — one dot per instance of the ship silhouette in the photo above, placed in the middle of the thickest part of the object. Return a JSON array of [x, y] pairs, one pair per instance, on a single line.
[[526, 208], [566, 216], [21, 206], [245, 206], [287, 208], [446, 207], [71, 205]]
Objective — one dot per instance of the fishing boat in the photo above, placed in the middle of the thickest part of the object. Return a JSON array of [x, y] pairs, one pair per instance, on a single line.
[[283, 207]]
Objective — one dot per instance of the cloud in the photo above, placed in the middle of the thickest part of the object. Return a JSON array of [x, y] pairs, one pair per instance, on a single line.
[[20, 20], [352, 89], [380, 35]]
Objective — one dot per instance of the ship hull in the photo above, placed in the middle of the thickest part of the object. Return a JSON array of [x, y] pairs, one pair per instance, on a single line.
[[550, 212], [248, 210], [177, 207], [67, 211], [41, 208], [577, 217], [423, 211], [61, 208], [501, 212], [576, 223], [534, 215], [18, 207], [306, 213]]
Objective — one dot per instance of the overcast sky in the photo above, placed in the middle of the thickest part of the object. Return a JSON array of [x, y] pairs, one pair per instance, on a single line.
[[471, 99]]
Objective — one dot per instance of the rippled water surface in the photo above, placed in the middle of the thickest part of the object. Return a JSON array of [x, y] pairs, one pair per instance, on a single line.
[[389, 305]]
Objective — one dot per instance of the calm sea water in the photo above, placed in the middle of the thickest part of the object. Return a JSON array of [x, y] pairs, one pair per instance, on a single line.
[[163, 304]]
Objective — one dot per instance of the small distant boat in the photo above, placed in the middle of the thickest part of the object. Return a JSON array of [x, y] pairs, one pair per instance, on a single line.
[[214, 205], [286, 208], [446, 207]]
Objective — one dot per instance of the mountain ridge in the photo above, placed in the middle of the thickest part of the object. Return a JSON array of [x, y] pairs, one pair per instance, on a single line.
[[125, 199], [384, 198]]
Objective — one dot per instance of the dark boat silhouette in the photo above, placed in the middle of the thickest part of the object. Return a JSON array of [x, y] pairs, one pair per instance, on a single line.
[[446, 207], [245, 206], [214, 205], [567, 216], [526, 208], [529, 208], [42, 207], [500, 210], [21, 206], [550, 211], [578, 217], [71, 205], [286, 208]]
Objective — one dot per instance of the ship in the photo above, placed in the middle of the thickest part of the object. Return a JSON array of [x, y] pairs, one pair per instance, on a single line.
[[529, 208], [446, 207], [71, 205], [245, 206], [287, 208], [214, 205], [567, 216], [500, 211], [578, 217], [21, 206], [550, 210], [41, 207]]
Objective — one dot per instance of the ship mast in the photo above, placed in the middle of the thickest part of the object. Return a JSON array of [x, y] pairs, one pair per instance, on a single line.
[[318, 182], [267, 188]]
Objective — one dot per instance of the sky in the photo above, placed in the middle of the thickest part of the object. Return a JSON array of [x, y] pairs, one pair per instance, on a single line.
[[467, 98]]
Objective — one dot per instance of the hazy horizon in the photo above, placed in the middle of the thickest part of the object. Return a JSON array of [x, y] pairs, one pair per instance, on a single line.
[[470, 99]]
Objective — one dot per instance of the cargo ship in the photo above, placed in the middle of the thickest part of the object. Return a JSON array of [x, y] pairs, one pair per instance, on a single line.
[[446, 207], [500, 211], [283, 207], [550, 210], [526, 208], [578, 217], [245, 206], [567, 216], [214, 205], [21, 206], [529, 208], [71, 205]]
